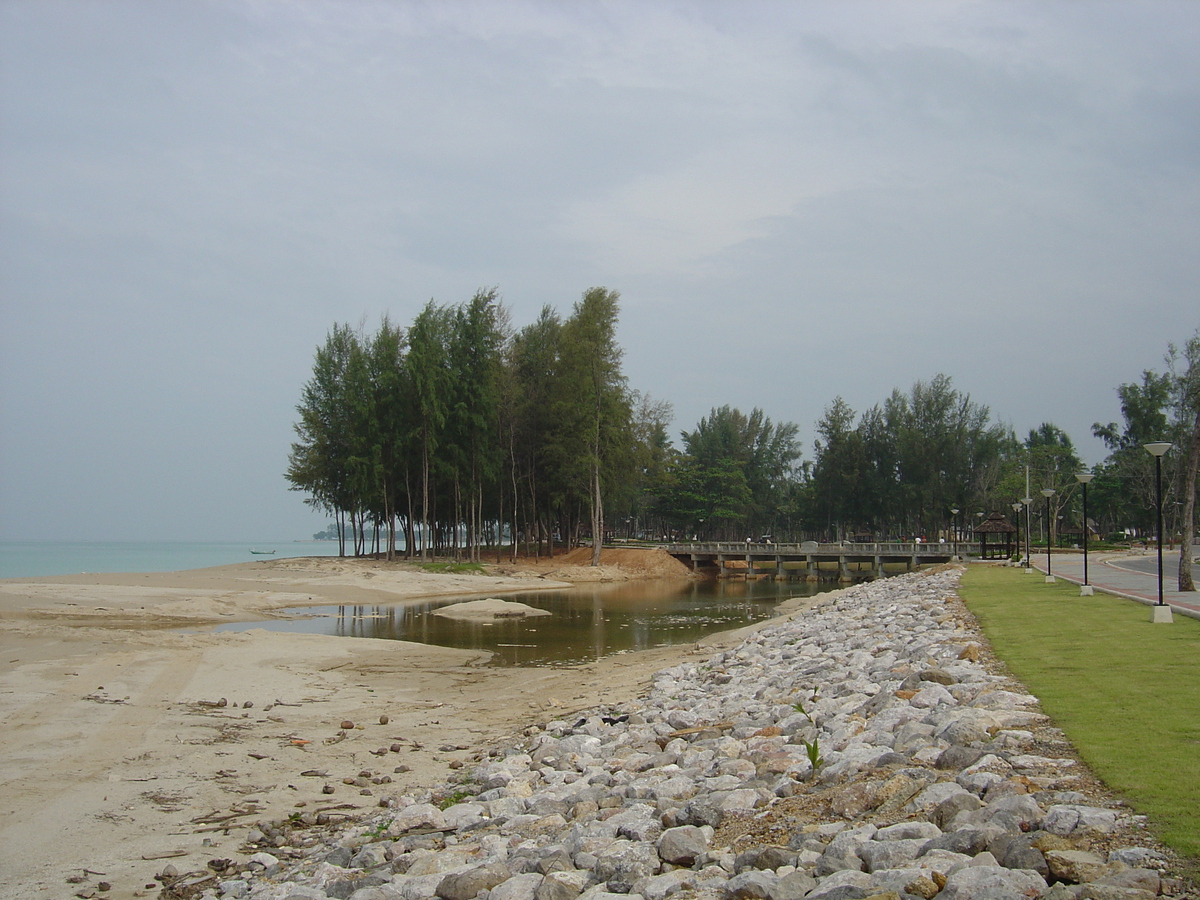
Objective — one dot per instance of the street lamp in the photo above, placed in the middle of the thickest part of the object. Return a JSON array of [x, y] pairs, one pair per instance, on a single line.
[[1016, 508], [1162, 612], [954, 529], [1027, 502], [1085, 589], [1048, 493]]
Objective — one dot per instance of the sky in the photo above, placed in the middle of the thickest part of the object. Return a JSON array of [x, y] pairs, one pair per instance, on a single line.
[[796, 201]]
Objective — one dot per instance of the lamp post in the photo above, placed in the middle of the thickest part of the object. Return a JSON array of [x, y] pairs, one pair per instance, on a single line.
[[1048, 493], [954, 529], [1016, 508], [1162, 612], [1085, 589], [1027, 502]]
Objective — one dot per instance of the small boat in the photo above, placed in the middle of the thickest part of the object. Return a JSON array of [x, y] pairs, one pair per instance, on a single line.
[[262, 552]]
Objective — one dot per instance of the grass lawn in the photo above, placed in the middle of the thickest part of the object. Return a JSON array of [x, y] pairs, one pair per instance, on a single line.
[[1126, 692]]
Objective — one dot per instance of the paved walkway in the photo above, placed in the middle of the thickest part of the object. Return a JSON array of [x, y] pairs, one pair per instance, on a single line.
[[1130, 574]]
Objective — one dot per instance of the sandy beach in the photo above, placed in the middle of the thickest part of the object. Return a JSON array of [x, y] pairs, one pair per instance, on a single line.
[[128, 742]]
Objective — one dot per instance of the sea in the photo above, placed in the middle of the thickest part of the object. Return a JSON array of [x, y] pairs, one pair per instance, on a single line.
[[31, 559]]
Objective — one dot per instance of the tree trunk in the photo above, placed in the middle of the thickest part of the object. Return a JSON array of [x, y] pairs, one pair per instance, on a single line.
[[597, 516], [425, 498], [1186, 583]]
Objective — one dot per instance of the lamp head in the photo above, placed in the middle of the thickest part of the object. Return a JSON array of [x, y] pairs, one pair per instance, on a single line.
[[1048, 492], [1084, 477], [1157, 448]]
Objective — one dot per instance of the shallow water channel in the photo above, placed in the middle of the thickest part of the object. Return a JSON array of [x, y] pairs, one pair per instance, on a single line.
[[585, 623]]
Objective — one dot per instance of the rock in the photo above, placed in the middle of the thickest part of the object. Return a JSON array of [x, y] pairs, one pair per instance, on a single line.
[[1135, 879], [419, 815], [1072, 818], [466, 885], [624, 863], [922, 886], [346, 725], [562, 885], [793, 886], [1108, 892], [519, 887], [876, 855], [1134, 856], [1075, 866], [948, 809], [753, 885], [683, 845], [845, 884], [621, 802], [968, 841], [992, 883]]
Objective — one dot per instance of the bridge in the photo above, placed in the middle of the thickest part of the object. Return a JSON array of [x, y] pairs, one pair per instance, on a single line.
[[805, 560]]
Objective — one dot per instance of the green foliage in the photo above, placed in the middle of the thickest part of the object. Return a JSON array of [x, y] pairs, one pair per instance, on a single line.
[[734, 476], [445, 801], [457, 429], [811, 748], [905, 464], [448, 426], [1123, 689], [1161, 406]]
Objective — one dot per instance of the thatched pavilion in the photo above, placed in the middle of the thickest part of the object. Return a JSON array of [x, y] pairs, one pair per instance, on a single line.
[[1002, 534]]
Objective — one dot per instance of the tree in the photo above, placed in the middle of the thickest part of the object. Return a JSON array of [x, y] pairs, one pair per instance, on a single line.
[[908, 462], [646, 494], [533, 361], [319, 462], [593, 401], [1054, 463], [428, 368], [1124, 492], [735, 472], [473, 404], [392, 426], [838, 471], [1188, 405]]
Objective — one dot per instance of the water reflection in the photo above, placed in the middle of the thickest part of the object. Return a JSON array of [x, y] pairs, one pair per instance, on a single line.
[[585, 623]]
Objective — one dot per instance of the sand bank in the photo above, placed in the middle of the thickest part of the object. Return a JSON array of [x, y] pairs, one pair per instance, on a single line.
[[125, 742]]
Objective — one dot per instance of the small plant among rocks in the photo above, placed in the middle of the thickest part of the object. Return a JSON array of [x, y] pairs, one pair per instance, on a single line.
[[813, 747]]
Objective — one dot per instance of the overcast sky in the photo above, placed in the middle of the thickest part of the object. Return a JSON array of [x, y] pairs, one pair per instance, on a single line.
[[796, 200]]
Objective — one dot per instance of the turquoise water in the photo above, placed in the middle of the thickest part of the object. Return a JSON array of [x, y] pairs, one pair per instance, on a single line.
[[30, 559]]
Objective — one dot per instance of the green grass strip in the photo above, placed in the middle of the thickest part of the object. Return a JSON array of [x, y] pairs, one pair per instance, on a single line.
[[1126, 692]]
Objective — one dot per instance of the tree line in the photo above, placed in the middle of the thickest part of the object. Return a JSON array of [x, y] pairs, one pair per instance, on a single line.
[[461, 432]]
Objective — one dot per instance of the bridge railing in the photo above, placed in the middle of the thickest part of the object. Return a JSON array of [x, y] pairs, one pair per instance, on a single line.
[[845, 548]]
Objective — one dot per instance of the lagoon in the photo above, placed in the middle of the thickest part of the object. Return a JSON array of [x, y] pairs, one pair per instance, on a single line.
[[585, 623]]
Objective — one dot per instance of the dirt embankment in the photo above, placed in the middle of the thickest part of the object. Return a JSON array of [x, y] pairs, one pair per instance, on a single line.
[[616, 564]]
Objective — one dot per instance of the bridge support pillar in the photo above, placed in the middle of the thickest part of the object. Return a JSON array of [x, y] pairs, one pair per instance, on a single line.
[[780, 574], [878, 566]]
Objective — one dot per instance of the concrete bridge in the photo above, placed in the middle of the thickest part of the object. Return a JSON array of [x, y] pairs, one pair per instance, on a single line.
[[805, 560]]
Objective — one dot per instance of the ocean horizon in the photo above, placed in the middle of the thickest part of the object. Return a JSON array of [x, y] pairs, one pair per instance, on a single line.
[[34, 559]]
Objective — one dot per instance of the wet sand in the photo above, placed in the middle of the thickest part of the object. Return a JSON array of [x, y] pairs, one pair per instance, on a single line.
[[127, 743]]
